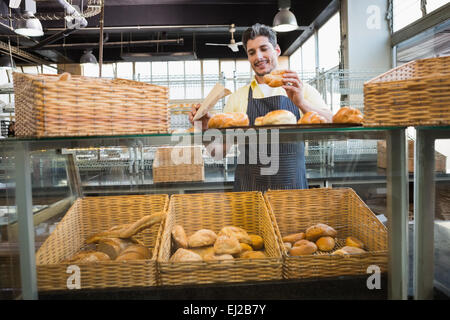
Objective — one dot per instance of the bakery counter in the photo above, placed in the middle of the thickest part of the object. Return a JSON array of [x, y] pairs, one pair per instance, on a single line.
[[339, 288]]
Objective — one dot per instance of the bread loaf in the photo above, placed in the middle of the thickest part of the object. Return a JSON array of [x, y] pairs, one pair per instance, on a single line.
[[203, 251], [354, 242], [292, 238], [349, 250], [214, 257], [179, 237], [201, 238], [259, 121], [113, 247], [245, 247], [88, 257], [288, 246], [134, 252], [64, 76], [325, 243], [302, 248], [348, 115], [275, 78], [226, 244], [226, 120], [319, 230], [142, 224], [252, 255], [279, 117], [240, 234], [312, 117], [257, 241], [182, 255]]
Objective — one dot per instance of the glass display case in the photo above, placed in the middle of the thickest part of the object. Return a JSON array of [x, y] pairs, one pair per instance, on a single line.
[[42, 178]]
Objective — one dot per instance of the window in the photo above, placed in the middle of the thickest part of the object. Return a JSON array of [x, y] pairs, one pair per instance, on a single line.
[[329, 43], [435, 4], [405, 12], [125, 70], [176, 77], [228, 68], [90, 69], [210, 75], [295, 61], [31, 69], [143, 71], [193, 70], [309, 55], [159, 71]]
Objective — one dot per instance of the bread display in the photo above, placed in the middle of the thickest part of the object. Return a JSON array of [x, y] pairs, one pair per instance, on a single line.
[[312, 117], [354, 242], [240, 234], [201, 238], [325, 243], [229, 243], [275, 78], [292, 238], [319, 230], [226, 244], [179, 237], [226, 120], [182, 255], [348, 115]]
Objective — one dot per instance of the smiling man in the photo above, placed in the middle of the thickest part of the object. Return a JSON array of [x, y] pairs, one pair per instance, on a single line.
[[257, 99]]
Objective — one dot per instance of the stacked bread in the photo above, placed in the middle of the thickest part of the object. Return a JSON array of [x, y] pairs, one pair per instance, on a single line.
[[205, 245], [118, 243], [320, 238]]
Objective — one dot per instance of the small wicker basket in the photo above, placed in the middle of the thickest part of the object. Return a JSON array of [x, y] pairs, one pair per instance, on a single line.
[[47, 106], [414, 94], [214, 211], [91, 215], [294, 211]]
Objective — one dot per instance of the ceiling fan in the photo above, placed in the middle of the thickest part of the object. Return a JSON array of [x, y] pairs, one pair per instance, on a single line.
[[233, 45]]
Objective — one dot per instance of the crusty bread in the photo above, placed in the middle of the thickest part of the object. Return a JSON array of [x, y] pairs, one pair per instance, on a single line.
[[113, 247], [253, 255], [349, 250], [226, 120], [279, 117], [319, 230], [201, 238], [325, 243], [240, 234], [179, 237], [259, 121], [226, 244], [312, 117], [257, 241], [275, 78], [354, 242], [88, 256], [303, 247], [348, 115], [134, 252], [182, 255], [294, 237]]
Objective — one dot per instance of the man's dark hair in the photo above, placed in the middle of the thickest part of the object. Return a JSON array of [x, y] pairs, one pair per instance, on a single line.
[[259, 30]]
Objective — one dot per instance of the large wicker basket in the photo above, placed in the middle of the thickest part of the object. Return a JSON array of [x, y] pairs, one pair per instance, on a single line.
[[88, 216], [294, 211], [414, 94], [180, 163], [214, 211], [46, 105]]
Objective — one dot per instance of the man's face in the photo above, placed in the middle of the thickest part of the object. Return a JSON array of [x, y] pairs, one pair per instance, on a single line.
[[262, 56]]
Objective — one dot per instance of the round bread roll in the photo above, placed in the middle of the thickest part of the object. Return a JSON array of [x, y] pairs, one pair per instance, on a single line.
[[64, 77], [245, 247], [226, 120], [226, 244], [301, 242], [288, 246], [312, 117], [182, 255], [354, 242], [257, 241], [348, 115], [292, 238], [325, 243], [212, 257], [319, 230], [236, 232], [252, 255], [279, 117], [306, 248], [143, 251], [275, 78], [201, 238], [179, 236], [88, 256], [349, 250]]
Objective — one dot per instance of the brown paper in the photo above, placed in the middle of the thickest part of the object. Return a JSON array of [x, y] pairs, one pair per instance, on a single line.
[[217, 93]]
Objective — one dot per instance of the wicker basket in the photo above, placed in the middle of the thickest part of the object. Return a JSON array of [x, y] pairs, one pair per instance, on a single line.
[[294, 211], [179, 163], [214, 211], [82, 106], [88, 216], [414, 94]]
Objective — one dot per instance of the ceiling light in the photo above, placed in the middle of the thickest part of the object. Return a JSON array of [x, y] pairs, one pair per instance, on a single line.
[[7, 63], [284, 20], [30, 26], [88, 57]]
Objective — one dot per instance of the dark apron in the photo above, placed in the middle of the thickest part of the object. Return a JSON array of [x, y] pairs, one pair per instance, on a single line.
[[291, 168]]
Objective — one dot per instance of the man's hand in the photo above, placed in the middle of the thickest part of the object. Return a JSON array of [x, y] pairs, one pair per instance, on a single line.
[[204, 120], [294, 88]]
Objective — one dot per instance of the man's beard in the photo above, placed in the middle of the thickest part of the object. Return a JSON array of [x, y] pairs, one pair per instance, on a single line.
[[272, 67]]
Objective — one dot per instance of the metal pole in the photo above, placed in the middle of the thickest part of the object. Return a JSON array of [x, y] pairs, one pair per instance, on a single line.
[[100, 54], [26, 224], [397, 211]]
